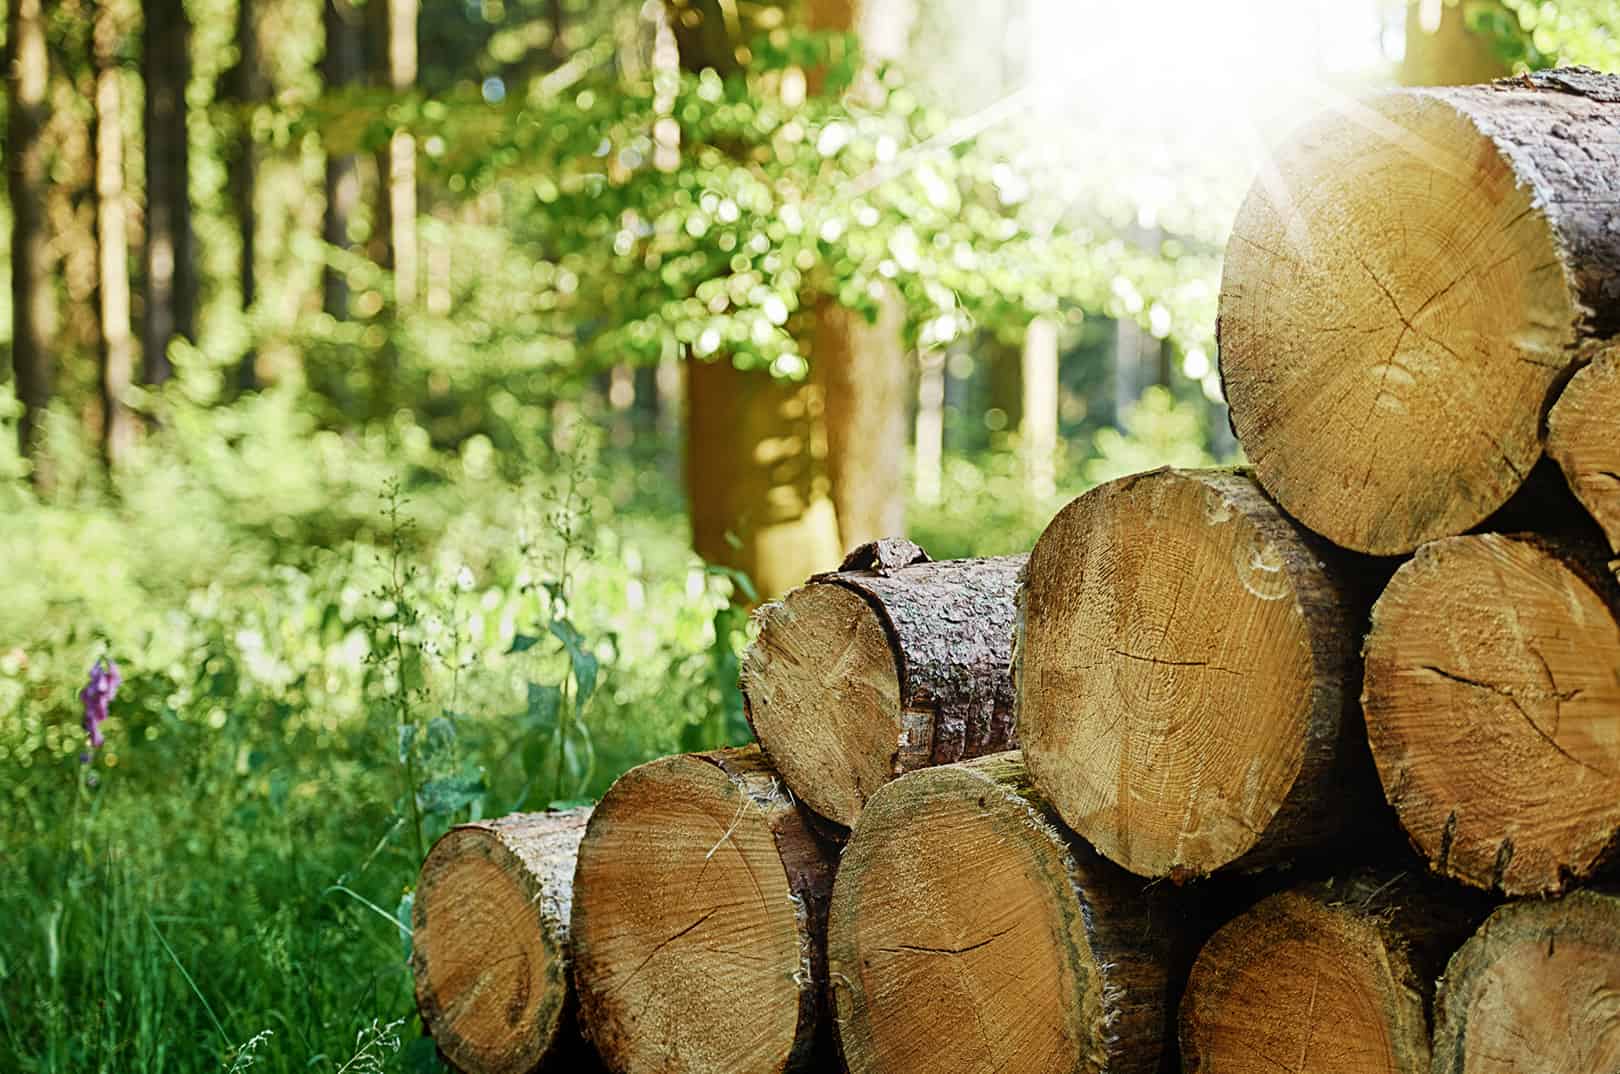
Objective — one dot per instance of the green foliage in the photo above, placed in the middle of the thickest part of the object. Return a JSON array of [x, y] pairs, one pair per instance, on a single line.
[[1535, 34], [1158, 431]]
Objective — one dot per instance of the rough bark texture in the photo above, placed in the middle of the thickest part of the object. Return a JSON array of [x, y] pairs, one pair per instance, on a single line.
[[1187, 675], [756, 475], [700, 907], [1534, 991], [890, 664], [340, 67], [26, 181], [490, 946], [1490, 696], [170, 296], [1582, 438], [1333, 977], [115, 344], [1404, 299], [970, 931]]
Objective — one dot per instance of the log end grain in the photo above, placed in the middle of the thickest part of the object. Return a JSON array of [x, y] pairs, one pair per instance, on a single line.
[[701, 891], [968, 932], [1183, 664], [1396, 313], [1490, 696], [490, 940], [1583, 437], [1304, 982], [1536, 989], [822, 685]]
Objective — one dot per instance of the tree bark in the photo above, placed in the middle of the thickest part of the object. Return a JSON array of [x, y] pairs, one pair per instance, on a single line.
[[1490, 697], [115, 345], [890, 664], [700, 905], [26, 178], [1394, 329], [1581, 439], [490, 949], [340, 67], [1334, 978], [756, 475], [169, 297], [1187, 673], [969, 931], [1534, 991], [247, 89]]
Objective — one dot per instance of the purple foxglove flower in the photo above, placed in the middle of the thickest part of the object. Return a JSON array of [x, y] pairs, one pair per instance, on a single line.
[[97, 695]]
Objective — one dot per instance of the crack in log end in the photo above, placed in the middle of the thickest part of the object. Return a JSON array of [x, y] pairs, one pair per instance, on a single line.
[[1504, 692], [1504, 857], [1161, 662], [1448, 834], [922, 950], [653, 953]]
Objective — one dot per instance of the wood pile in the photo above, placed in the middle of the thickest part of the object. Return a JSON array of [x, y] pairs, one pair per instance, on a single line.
[[1313, 766]]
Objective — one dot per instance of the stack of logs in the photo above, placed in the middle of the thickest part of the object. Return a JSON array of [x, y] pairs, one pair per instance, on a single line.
[[1320, 760]]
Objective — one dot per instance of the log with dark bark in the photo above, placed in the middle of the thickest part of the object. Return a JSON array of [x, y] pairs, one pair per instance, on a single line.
[[892, 663], [1332, 977], [700, 901], [490, 945], [1491, 696], [1404, 297], [1187, 675], [1534, 991], [1583, 437], [969, 931]]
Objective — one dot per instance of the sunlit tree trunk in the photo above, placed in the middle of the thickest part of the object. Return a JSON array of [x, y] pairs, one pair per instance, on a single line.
[[340, 66], [170, 293], [26, 183], [930, 436], [1038, 427], [395, 34], [756, 466], [247, 88], [115, 345], [1442, 51]]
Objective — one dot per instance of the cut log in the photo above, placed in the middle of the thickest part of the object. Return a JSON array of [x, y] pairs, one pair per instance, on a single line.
[[490, 941], [1493, 709], [890, 664], [1583, 436], [1537, 989], [702, 895], [1187, 675], [1406, 292], [969, 931], [1335, 977]]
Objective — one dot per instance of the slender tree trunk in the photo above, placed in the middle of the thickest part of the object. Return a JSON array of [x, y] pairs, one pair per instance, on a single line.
[[930, 434], [1038, 427], [170, 262], [247, 88], [340, 66], [395, 33], [26, 182], [115, 345]]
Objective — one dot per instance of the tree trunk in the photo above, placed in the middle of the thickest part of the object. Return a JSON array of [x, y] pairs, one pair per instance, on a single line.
[[928, 480], [1534, 991], [489, 945], [395, 34], [1333, 978], [1187, 674], [756, 475], [1393, 331], [115, 346], [893, 663], [247, 89], [1442, 51], [969, 931], [169, 298], [27, 180], [700, 905], [1490, 698], [340, 67], [1006, 379], [1581, 439], [864, 373], [1038, 425]]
